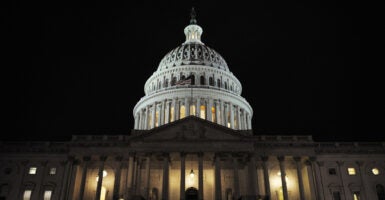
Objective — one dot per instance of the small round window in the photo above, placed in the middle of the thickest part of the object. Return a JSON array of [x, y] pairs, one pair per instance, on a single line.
[[375, 171]]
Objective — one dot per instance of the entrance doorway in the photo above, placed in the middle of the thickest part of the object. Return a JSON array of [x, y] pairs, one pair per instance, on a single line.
[[191, 193]]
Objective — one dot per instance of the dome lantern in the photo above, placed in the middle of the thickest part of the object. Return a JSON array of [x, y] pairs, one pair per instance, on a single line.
[[193, 31]]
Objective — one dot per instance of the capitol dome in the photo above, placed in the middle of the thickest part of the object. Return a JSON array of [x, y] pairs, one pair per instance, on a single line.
[[193, 79]]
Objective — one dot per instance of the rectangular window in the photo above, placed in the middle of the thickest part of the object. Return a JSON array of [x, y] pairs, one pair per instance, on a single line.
[[47, 195], [192, 110], [32, 170], [203, 112], [182, 112], [332, 171], [171, 114], [27, 194], [52, 171], [351, 171], [336, 196]]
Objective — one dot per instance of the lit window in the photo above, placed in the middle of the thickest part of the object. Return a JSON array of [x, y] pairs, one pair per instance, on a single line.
[[27, 194], [192, 110], [356, 195], [203, 112], [52, 171], [351, 171], [32, 170], [213, 114], [182, 112], [375, 171], [47, 195]]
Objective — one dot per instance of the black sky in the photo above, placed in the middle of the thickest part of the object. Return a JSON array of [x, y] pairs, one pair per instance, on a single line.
[[305, 67]]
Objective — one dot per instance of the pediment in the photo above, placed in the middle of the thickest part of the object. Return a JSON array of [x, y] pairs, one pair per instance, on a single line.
[[190, 129]]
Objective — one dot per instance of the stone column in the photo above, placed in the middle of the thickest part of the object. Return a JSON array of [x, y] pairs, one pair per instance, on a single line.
[[200, 176], [173, 105], [341, 173], [148, 175], [217, 115], [66, 177], [43, 169], [239, 126], [300, 179], [165, 176], [182, 175], [361, 171], [223, 114], [253, 178], [162, 111], [167, 112], [249, 121], [138, 180], [318, 175], [208, 110], [236, 178], [231, 115], [218, 185], [86, 160], [140, 119], [136, 121], [227, 110], [100, 179], [266, 176], [147, 112], [130, 172], [71, 182], [117, 177], [177, 109], [313, 190], [281, 160], [187, 107], [153, 115], [198, 107]]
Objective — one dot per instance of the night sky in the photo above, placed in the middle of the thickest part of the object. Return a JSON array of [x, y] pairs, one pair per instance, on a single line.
[[307, 68]]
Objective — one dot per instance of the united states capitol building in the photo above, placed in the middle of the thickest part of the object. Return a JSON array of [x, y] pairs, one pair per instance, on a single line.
[[192, 140]]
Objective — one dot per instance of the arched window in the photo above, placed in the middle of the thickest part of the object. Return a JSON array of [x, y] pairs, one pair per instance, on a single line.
[[231, 88], [166, 83], [173, 81], [182, 77], [202, 80], [211, 81], [192, 80], [226, 85], [218, 83], [380, 192]]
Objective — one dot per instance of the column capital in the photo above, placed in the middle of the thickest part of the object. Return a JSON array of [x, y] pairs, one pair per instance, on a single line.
[[131, 153], [103, 158], [360, 163], [264, 158], [86, 158], [119, 158], [297, 159], [281, 158], [312, 158]]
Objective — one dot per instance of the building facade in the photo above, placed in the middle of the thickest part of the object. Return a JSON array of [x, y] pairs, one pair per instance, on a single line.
[[192, 140]]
